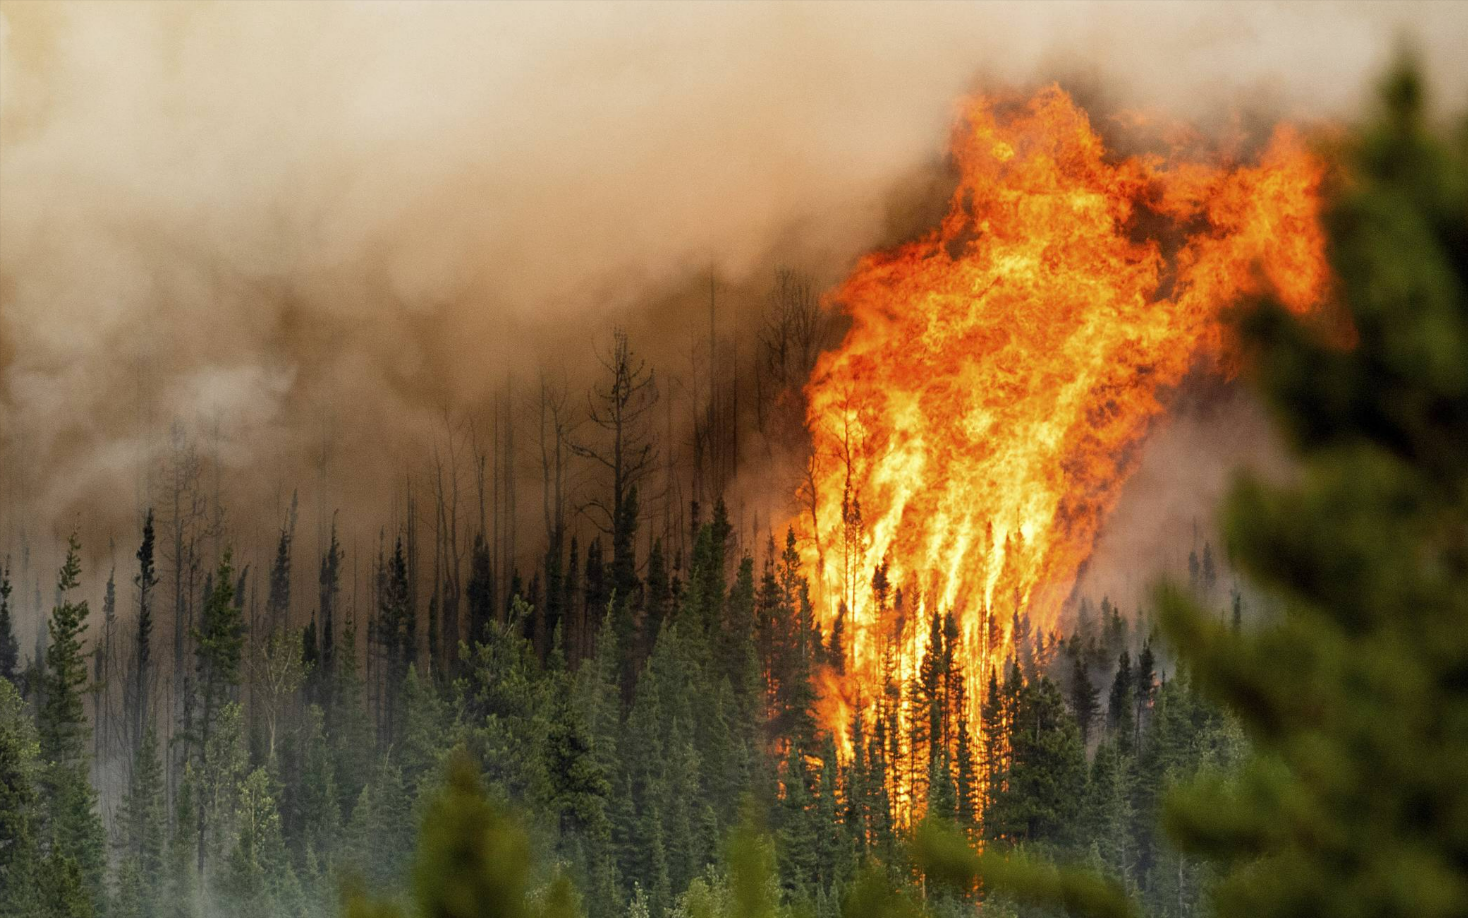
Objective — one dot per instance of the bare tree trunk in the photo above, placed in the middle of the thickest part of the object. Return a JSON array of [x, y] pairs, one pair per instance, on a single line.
[[496, 570]]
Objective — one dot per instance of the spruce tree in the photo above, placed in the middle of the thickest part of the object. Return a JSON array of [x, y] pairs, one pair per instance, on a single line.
[[1353, 800], [1038, 795], [9, 647], [579, 787], [330, 583], [142, 822], [798, 835], [350, 739], [1146, 691], [966, 778], [657, 598], [220, 642], [73, 831], [1084, 698], [278, 600], [1120, 703], [223, 763], [480, 591], [315, 800], [397, 635], [139, 693], [20, 817], [1107, 815], [736, 644], [182, 880]]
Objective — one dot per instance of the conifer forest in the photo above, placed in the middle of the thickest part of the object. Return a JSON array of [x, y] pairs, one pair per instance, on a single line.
[[733, 461]]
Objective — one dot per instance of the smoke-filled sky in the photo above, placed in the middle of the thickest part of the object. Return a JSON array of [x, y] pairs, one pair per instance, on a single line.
[[283, 223]]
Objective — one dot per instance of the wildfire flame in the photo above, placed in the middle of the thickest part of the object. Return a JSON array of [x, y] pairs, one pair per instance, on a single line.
[[977, 423]]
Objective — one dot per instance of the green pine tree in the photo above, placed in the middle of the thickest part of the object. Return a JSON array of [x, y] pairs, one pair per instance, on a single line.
[[9, 647], [20, 817], [1121, 703], [72, 833], [142, 824], [1353, 800], [1038, 795], [1084, 698]]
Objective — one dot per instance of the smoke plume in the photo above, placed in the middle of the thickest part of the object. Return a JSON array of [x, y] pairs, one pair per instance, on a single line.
[[309, 233]]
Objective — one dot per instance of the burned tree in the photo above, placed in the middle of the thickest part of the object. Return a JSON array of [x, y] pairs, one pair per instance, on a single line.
[[791, 338], [444, 630], [557, 427], [621, 407]]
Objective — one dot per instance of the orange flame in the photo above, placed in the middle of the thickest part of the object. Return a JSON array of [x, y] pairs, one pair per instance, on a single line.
[[976, 425]]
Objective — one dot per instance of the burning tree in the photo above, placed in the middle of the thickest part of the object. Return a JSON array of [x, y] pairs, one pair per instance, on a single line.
[[977, 423]]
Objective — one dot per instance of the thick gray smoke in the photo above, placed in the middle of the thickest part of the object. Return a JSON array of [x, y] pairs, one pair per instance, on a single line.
[[283, 225]]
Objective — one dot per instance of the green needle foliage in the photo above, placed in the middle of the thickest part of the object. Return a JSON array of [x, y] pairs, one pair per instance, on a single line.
[[473, 861], [1355, 799], [945, 859]]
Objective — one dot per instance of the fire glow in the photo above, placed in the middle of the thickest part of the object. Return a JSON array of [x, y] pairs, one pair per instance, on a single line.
[[976, 425]]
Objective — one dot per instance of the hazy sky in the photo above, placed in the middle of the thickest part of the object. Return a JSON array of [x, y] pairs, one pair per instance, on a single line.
[[289, 217]]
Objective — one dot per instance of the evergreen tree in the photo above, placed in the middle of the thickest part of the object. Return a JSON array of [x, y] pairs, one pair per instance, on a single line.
[[142, 823], [330, 583], [657, 598], [1208, 575], [1107, 813], [798, 835], [278, 602], [1039, 793], [61, 890], [102, 662], [9, 647], [578, 625], [182, 881], [381, 828], [596, 593], [579, 787], [625, 585], [480, 591], [19, 814], [622, 408], [966, 778], [62, 719], [425, 716], [599, 696], [1084, 697], [396, 632], [1355, 698], [349, 741], [315, 800], [1146, 690], [796, 648], [223, 764], [140, 681], [736, 645], [1120, 703], [929, 704], [73, 831], [220, 644]]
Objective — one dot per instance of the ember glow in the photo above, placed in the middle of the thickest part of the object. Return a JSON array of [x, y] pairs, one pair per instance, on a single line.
[[978, 422]]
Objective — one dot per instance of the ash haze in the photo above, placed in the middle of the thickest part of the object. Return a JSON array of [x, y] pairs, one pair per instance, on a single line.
[[317, 230]]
